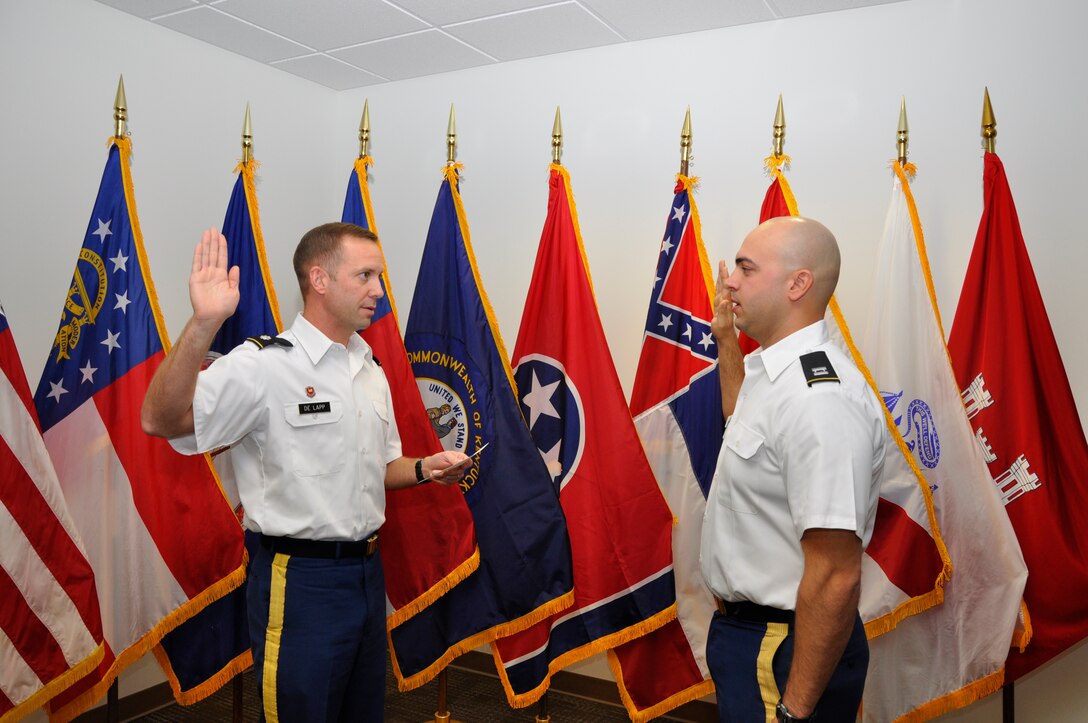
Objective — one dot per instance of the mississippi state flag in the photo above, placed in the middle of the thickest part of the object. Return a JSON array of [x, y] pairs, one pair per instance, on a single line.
[[677, 407], [954, 653], [162, 541], [49, 616], [460, 366], [620, 525], [428, 542], [1017, 395], [905, 565]]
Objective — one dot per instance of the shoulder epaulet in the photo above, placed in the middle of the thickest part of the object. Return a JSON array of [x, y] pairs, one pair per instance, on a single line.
[[376, 359], [817, 368], [263, 341]]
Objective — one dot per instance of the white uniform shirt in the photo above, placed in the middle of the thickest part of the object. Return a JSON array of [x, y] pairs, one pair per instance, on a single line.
[[314, 428], [793, 457]]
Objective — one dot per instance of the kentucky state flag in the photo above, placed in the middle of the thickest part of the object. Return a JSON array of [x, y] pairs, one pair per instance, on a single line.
[[162, 540], [428, 542], [677, 407], [50, 624], [201, 655], [952, 654], [460, 365], [1017, 395], [620, 525], [906, 564]]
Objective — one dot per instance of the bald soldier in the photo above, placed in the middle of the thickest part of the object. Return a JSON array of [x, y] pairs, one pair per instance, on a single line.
[[793, 500]]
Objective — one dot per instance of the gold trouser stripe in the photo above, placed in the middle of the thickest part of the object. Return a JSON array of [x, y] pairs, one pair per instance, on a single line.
[[272, 636], [768, 688]]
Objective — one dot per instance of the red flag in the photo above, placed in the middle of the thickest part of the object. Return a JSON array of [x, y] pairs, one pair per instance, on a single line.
[[429, 542], [906, 564], [48, 604], [677, 406], [620, 526], [1018, 397]]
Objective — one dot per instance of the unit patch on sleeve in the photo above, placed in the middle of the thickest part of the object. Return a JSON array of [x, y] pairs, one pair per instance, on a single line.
[[817, 368]]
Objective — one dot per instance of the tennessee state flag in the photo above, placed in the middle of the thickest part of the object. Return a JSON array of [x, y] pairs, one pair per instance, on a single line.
[[1018, 398], [428, 542], [677, 407], [464, 378], [906, 565], [202, 654], [49, 616], [158, 532], [620, 525]]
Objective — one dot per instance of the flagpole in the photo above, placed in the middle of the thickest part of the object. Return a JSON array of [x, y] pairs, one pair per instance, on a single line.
[[443, 715], [901, 133], [779, 130], [989, 143], [685, 143], [364, 130]]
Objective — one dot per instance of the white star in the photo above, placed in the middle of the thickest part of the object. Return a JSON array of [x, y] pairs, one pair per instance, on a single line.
[[122, 301], [666, 322], [551, 459], [111, 341], [706, 341], [678, 213], [103, 230], [88, 372], [666, 246], [539, 401], [57, 390], [656, 280], [119, 262], [687, 331]]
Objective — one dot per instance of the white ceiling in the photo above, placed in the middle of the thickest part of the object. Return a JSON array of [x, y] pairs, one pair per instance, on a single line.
[[344, 44]]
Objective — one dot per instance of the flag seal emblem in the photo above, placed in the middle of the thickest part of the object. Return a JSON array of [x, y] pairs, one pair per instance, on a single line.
[[926, 444], [554, 412], [82, 308]]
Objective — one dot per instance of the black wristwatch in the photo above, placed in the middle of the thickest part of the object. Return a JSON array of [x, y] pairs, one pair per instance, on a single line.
[[419, 471], [782, 713]]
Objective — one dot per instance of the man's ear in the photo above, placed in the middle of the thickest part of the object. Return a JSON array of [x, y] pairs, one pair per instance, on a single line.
[[800, 284], [319, 280]]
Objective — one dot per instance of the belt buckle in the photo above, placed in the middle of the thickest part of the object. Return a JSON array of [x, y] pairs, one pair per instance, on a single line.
[[371, 544]]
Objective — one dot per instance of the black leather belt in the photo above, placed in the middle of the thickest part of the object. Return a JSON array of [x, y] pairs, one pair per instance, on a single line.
[[754, 613], [331, 549]]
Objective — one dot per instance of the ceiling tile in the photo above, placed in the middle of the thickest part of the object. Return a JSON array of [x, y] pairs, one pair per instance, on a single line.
[[234, 35], [794, 8], [641, 19], [325, 24], [149, 8], [553, 29], [329, 72], [410, 56], [443, 12]]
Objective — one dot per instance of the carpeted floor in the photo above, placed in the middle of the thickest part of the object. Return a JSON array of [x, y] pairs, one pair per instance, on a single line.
[[472, 698]]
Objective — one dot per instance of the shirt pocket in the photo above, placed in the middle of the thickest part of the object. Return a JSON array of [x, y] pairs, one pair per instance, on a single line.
[[742, 467], [316, 440]]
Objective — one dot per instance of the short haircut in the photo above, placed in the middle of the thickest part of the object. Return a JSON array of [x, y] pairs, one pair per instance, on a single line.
[[321, 246]]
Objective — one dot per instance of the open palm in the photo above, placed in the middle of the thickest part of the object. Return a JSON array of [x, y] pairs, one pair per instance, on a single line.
[[213, 288]]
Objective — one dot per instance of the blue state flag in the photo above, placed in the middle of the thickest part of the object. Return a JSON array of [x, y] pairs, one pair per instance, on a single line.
[[463, 374], [208, 650]]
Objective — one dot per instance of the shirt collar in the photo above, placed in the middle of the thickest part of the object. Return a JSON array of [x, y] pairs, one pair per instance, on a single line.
[[314, 342], [780, 355]]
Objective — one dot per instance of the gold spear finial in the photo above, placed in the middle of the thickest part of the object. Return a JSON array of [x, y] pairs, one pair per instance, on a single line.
[[779, 128], [247, 137], [451, 139], [557, 138], [989, 123], [364, 129], [901, 133], [120, 109], [685, 143]]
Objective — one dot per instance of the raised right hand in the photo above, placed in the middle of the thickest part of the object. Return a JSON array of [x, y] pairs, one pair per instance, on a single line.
[[213, 289], [722, 323]]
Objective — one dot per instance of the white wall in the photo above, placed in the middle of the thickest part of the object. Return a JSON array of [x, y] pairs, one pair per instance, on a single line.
[[841, 75]]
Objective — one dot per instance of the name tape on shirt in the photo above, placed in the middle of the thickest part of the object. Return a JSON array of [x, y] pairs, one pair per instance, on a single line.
[[314, 407]]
